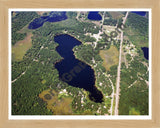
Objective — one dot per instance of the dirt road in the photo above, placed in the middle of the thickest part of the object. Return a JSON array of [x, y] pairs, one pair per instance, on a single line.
[[119, 72]]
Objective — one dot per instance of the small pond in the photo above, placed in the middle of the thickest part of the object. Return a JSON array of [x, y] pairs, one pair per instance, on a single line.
[[145, 52], [94, 16], [52, 17]]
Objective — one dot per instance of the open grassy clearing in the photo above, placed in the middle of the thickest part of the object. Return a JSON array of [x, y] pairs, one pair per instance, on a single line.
[[68, 23], [21, 47], [132, 111], [110, 57], [25, 30], [58, 105], [116, 15], [43, 81]]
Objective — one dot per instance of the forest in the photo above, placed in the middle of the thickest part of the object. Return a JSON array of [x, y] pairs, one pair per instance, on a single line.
[[133, 86], [138, 23], [134, 79], [18, 22], [38, 73], [37, 89], [137, 29]]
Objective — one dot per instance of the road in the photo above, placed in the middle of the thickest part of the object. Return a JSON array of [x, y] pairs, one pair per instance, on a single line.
[[119, 71], [27, 67], [112, 95], [77, 17]]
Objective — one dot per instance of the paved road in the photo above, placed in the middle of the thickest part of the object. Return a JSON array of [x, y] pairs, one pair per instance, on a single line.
[[119, 72]]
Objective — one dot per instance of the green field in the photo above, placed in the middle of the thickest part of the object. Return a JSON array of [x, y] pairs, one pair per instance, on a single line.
[[21, 47], [110, 57]]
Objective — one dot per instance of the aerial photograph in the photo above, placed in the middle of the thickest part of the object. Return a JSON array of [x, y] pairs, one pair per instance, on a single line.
[[79, 62]]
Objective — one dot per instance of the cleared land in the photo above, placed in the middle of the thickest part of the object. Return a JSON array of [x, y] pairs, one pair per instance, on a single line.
[[25, 30], [116, 15], [59, 105], [21, 47], [132, 111], [110, 57], [108, 29], [41, 12]]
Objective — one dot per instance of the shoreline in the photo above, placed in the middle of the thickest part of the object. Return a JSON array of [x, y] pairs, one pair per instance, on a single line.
[[91, 66]]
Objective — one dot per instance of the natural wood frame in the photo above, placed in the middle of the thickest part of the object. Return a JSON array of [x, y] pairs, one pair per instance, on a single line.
[[6, 4]]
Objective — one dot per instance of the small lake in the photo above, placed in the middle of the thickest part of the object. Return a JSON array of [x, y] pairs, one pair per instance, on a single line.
[[145, 52], [73, 71], [52, 17], [140, 13], [94, 16]]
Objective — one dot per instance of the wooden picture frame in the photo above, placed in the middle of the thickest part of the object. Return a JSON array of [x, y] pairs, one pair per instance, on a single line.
[[4, 59]]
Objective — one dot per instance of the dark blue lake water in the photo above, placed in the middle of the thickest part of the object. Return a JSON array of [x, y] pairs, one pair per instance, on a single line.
[[140, 13], [94, 16], [73, 71], [145, 52], [52, 17]]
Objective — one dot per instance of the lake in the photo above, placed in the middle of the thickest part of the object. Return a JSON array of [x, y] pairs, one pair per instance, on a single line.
[[73, 71], [94, 16], [145, 52], [52, 17]]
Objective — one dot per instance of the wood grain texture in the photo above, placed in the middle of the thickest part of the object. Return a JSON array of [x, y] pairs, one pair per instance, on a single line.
[[6, 4]]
